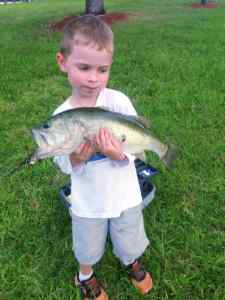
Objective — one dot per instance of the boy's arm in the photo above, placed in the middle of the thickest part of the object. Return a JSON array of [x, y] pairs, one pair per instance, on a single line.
[[63, 162], [109, 146], [74, 161], [81, 154]]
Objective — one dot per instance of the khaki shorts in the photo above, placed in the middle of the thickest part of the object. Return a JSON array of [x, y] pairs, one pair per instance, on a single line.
[[127, 234]]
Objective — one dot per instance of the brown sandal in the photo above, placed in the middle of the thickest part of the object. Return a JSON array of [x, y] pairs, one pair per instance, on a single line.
[[140, 278], [91, 289]]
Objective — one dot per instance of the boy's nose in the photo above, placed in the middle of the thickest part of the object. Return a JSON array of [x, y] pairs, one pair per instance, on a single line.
[[93, 76]]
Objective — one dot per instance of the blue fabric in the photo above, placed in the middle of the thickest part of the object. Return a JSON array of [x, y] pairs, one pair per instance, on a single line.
[[96, 156]]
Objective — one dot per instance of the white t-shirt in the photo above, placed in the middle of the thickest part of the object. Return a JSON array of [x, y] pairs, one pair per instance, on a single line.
[[103, 188]]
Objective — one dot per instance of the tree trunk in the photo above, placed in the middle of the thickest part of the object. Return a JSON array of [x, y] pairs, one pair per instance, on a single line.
[[95, 7]]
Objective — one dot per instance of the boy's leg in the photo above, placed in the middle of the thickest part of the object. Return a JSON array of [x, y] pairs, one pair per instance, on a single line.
[[128, 235], [86, 271], [129, 243], [89, 238]]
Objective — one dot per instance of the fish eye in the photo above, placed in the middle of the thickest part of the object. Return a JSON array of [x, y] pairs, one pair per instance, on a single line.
[[46, 126]]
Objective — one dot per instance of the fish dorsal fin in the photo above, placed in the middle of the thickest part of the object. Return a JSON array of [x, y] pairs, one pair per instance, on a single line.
[[104, 108], [138, 119], [145, 123]]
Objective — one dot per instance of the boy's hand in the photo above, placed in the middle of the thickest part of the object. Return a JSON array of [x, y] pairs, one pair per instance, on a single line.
[[82, 154], [106, 143]]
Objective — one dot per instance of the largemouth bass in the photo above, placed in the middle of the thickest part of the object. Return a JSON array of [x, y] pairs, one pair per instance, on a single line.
[[64, 132]]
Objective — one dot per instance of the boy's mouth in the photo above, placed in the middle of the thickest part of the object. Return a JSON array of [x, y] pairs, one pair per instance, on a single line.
[[90, 89]]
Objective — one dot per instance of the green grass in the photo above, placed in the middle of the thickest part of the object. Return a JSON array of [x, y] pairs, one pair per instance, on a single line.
[[170, 61]]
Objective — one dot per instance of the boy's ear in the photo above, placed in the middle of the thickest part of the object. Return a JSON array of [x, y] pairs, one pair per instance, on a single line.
[[61, 61]]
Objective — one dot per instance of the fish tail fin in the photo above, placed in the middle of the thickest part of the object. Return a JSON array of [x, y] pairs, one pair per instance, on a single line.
[[170, 156]]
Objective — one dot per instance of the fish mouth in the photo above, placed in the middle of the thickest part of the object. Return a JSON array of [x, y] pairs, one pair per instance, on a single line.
[[40, 138]]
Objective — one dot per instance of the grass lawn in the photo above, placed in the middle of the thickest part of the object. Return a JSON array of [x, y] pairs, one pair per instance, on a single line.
[[170, 61]]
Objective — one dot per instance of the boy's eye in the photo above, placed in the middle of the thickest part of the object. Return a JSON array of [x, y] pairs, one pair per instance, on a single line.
[[83, 67], [103, 69]]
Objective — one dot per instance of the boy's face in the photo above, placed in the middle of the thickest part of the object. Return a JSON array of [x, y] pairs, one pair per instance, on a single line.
[[87, 69]]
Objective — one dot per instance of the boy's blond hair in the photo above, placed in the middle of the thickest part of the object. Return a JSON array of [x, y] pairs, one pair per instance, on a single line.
[[85, 30]]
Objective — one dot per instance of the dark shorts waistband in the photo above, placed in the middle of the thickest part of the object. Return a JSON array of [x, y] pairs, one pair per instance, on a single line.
[[97, 156]]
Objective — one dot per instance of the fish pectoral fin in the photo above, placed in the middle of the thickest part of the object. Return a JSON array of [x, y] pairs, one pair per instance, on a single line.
[[145, 123], [90, 140], [88, 137]]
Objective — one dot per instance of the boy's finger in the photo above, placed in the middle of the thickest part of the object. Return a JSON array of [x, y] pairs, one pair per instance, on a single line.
[[104, 133], [99, 140], [107, 133], [104, 139], [90, 149], [87, 148], [79, 149], [114, 142]]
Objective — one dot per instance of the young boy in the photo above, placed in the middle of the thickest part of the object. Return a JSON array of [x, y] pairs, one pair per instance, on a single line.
[[105, 193]]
